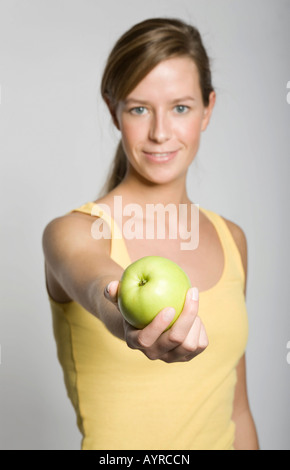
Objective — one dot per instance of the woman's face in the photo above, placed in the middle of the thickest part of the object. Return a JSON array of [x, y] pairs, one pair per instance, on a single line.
[[161, 121]]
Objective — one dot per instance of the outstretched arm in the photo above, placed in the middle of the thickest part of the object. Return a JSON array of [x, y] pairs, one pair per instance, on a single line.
[[83, 268]]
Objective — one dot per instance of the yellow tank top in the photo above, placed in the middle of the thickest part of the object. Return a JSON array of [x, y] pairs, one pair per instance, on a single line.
[[124, 401]]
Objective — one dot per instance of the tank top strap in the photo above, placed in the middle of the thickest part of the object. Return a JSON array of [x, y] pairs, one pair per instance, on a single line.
[[119, 252], [233, 262]]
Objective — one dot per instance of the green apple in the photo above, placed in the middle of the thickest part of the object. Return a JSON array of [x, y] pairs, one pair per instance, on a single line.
[[147, 286]]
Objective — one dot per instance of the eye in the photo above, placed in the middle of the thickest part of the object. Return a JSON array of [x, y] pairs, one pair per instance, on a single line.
[[181, 109], [139, 110]]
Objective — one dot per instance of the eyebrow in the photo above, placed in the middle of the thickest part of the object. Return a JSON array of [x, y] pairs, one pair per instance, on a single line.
[[179, 100]]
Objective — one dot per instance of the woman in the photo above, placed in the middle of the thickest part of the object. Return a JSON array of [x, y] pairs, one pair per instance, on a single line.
[[184, 388]]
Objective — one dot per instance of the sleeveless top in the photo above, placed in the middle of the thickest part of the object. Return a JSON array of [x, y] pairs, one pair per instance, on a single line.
[[125, 401]]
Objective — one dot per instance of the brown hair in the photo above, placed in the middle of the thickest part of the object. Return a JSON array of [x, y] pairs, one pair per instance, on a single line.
[[135, 54]]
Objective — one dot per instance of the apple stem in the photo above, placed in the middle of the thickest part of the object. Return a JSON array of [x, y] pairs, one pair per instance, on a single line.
[[142, 282]]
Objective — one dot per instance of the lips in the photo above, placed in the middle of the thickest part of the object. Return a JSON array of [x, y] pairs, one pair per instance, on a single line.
[[160, 157]]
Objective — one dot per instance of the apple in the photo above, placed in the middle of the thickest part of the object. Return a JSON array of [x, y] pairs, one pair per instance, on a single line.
[[147, 286]]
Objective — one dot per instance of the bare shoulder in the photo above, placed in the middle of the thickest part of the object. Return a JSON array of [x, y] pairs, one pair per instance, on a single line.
[[73, 257], [237, 233], [65, 227], [240, 239], [69, 235]]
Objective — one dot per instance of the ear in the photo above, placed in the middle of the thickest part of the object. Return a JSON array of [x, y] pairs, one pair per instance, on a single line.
[[208, 111], [112, 110]]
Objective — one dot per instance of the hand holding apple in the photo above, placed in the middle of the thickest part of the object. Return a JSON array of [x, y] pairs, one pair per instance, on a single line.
[[184, 340], [147, 286]]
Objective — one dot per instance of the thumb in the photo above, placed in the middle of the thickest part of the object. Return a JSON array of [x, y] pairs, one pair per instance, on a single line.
[[111, 291]]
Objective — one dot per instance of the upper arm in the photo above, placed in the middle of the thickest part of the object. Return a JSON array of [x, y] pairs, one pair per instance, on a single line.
[[241, 395], [246, 436], [75, 258], [241, 242]]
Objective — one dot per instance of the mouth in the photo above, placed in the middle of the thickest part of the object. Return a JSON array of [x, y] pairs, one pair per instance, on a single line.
[[160, 157]]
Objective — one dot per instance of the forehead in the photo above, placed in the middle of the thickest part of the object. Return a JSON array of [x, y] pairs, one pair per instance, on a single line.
[[170, 77]]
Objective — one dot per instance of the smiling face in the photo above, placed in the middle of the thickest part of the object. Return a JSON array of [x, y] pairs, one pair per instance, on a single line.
[[161, 121]]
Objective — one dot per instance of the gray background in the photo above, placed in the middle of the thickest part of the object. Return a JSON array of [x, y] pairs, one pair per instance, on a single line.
[[56, 144]]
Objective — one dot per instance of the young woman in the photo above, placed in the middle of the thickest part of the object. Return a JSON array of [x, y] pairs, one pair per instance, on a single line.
[[181, 388]]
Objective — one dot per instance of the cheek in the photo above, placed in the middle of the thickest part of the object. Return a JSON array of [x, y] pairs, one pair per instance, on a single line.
[[132, 139], [189, 131], [132, 134]]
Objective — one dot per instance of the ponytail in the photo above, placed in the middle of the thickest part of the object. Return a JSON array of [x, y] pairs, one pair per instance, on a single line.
[[118, 170]]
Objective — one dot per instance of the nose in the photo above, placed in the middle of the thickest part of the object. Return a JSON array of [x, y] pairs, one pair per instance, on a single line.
[[160, 129]]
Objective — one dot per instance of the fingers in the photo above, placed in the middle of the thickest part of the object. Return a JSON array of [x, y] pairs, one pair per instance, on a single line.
[[195, 343], [183, 324], [150, 334], [203, 339], [178, 332], [182, 339]]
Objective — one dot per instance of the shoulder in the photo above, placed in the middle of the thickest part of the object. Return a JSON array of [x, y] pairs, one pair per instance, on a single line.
[[240, 239], [237, 233], [58, 233], [69, 233], [65, 224]]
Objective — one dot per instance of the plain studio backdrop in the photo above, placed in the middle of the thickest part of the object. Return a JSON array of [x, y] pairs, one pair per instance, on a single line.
[[57, 143]]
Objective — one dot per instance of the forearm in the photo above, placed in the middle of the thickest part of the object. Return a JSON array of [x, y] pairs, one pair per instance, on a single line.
[[104, 309], [246, 436]]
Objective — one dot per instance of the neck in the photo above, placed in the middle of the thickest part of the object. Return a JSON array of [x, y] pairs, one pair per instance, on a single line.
[[146, 192]]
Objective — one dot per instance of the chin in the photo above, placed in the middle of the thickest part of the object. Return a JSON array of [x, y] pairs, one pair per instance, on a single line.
[[163, 179], [157, 176]]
